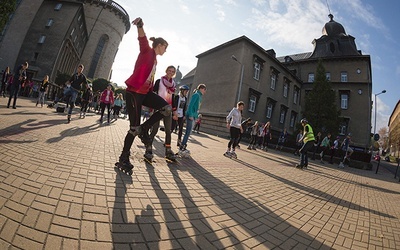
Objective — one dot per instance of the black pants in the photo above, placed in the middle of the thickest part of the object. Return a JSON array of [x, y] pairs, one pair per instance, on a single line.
[[103, 107], [196, 127], [178, 123], [14, 94], [134, 102], [116, 110], [84, 105], [235, 133], [167, 125]]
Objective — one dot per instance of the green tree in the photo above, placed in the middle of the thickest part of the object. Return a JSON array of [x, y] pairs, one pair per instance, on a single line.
[[62, 78], [6, 8], [100, 84], [320, 106]]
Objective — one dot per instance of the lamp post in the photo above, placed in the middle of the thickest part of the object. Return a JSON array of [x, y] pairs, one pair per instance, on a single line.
[[241, 77], [375, 107]]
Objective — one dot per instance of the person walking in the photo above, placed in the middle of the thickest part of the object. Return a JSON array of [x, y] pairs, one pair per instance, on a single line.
[[197, 124], [348, 151], [308, 140], [139, 92], [192, 115], [118, 103], [253, 136], [282, 139], [334, 148], [164, 87], [86, 99], [325, 145], [72, 89], [4, 81], [317, 145], [180, 104], [19, 78], [260, 136], [299, 143], [42, 90], [234, 124], [106, 100], [267, 136]]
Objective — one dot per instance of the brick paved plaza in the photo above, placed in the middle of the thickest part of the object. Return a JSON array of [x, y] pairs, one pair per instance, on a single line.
[[59, 190]]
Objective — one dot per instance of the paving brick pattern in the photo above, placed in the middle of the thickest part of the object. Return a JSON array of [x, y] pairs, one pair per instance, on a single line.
[[59, 190]]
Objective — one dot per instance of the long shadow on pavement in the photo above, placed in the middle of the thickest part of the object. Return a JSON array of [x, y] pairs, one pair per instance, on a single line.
[[284, 161], [75, 131], [256, 220], [123, 233], [315, 192]]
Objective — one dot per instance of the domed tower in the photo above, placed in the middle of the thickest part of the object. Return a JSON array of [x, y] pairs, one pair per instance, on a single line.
[[334, 41], [107, 22]]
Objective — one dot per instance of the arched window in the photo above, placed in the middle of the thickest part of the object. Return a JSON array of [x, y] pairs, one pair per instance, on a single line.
[[97, 54]]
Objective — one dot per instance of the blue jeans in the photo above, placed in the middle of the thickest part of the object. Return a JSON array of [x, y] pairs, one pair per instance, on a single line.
[[189, 127], [72, 94]]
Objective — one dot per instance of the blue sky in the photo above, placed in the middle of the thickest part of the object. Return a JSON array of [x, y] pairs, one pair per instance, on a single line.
[[287, 26]]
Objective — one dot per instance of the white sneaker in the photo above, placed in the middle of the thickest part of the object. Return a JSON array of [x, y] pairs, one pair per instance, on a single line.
[[341, 165]]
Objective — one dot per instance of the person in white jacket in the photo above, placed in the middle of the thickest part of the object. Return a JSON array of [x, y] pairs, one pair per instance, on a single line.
[[234, 124]]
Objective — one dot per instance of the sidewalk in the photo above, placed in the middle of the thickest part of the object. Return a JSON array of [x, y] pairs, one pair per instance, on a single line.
[[59, 190]]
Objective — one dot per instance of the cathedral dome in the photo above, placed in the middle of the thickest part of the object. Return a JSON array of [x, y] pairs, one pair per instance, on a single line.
[[333, 28]]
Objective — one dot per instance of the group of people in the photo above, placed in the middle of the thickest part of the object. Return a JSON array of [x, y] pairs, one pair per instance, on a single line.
[[140, 92], [261, 136], [308, 141]]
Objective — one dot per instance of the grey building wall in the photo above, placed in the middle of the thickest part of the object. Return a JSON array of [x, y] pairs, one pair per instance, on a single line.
[[64, 39], [221, 74], [15, 32], [63, 49], [108, 22]]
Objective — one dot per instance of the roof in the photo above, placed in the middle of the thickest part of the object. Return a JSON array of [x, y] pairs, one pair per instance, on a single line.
[[295, 57]]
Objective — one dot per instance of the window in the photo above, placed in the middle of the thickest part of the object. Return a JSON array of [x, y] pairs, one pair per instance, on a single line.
[[285, 90], [273, 81], [50, 22], [42, 38], [293, 119], [252, 103], [72, 32], [79, 17], [311, 77], [344, 101], [328, 76], [257, 70], [58, 7], [343, 76], [269, 110], [296, 96], [282, 116]]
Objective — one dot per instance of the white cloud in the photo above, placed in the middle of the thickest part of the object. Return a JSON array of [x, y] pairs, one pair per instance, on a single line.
[[293, 24]]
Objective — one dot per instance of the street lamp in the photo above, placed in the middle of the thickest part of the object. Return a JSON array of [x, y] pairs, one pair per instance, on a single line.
[[375, 107], [241, 77]]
